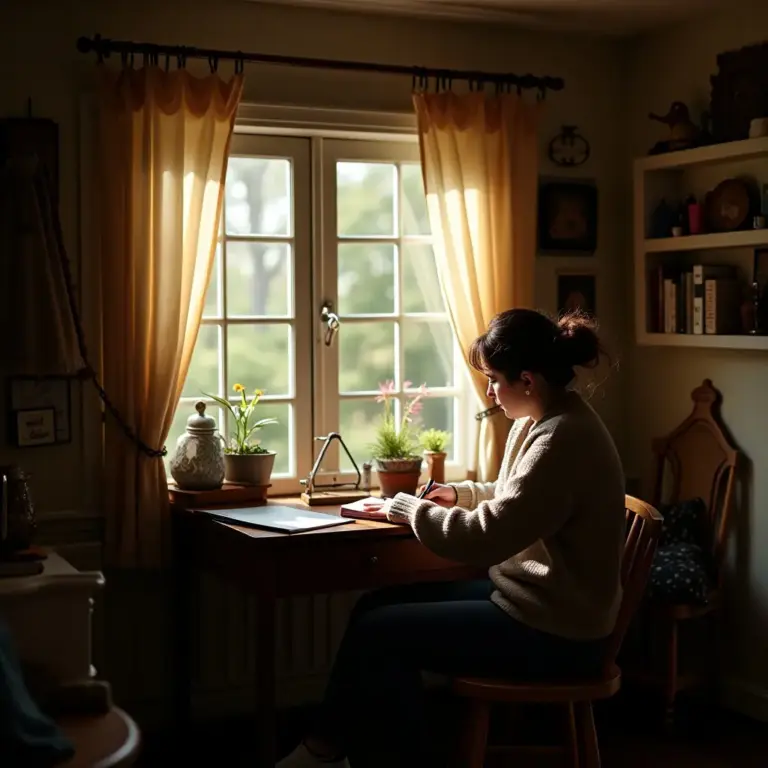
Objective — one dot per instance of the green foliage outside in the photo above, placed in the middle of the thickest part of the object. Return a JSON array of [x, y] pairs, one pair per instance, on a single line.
[[259, 284]]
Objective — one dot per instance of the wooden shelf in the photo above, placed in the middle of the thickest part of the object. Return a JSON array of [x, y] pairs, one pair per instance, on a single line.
[[748, 238], [702, 341], [731, 151]]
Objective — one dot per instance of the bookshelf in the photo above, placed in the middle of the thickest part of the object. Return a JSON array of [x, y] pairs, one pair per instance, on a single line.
[[673, 177]]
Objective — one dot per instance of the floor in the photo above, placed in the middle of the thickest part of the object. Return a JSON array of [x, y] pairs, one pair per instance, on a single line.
[[630, 736]]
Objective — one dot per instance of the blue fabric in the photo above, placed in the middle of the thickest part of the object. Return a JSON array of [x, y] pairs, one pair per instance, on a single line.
[[28, 738], [451, 629]]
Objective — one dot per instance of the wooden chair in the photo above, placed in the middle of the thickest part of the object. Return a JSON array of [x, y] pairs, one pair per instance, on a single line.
[[696, 460], [643, 531]]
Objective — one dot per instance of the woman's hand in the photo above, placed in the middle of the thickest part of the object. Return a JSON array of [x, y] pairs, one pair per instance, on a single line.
[[444, 495]]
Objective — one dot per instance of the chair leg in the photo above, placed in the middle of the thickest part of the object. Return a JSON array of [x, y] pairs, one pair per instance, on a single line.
[[588, 734], [573, 736], [670, 687], [474, 737]]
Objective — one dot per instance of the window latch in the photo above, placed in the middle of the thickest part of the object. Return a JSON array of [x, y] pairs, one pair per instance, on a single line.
[[332, 322]]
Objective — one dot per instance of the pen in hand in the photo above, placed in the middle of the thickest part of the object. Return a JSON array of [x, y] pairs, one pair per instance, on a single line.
[[427, 489]]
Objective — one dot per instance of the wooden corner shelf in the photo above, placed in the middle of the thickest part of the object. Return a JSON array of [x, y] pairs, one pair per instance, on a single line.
[[673, 177]]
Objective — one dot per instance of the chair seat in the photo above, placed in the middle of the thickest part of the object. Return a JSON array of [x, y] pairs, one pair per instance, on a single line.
[[545, 692]]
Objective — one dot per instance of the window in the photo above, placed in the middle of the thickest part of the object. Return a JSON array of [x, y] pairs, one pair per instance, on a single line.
[[309, 222]]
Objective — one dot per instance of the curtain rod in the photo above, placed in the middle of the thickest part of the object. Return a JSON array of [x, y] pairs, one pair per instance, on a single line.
[[103, 47]]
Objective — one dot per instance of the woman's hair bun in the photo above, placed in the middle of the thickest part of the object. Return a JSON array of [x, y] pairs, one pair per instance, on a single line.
[[578, 340]]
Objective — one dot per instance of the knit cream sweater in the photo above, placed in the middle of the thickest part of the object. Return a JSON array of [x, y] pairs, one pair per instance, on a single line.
[[551, 528]]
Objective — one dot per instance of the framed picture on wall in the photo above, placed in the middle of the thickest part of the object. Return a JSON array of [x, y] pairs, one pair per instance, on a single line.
[[576, 292], [567, 217], [27, 393]]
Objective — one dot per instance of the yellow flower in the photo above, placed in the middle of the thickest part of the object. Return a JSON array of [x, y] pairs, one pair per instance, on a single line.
[[258, 392], [239, 388]]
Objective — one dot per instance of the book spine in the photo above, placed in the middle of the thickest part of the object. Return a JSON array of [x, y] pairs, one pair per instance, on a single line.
[[698, 299]]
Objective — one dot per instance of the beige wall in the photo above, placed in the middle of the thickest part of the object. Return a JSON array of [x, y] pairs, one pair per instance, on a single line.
[[676, 65], [38, 60]]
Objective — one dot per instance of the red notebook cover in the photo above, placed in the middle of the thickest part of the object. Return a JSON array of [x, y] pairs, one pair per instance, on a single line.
[[356, 510]]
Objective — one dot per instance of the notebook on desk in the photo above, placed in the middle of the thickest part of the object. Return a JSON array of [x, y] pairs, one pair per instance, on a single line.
[[356, 509], [276, 518]]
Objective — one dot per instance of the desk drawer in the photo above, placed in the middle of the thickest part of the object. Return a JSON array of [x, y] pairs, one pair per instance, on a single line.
[[354, 565]]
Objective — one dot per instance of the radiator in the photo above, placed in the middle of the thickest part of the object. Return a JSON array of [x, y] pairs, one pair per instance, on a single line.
[[309, 630], [133, 649]]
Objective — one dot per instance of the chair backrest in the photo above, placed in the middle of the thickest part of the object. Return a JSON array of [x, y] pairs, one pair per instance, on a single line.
[[643, 533], [702, 463]]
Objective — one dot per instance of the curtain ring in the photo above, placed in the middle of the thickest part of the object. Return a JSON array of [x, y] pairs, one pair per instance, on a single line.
[[213, 63], [239, 64]]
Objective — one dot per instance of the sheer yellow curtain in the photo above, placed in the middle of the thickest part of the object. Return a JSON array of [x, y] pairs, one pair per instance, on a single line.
[[480, 163], [163, 142]]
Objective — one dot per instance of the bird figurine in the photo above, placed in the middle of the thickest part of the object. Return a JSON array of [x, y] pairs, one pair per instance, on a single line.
[[683, 133]]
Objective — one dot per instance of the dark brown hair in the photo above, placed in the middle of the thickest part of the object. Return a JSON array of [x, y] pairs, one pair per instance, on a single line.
[[525, 340]]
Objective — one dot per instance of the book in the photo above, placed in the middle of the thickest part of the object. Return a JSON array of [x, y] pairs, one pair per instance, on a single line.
[[274, 517], [356, 509]]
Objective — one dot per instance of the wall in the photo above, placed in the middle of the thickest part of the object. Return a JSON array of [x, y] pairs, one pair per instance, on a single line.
[[39, 60], [676, 65]]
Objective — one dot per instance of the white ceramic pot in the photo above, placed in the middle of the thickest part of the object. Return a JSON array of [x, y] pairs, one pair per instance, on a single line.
[[197, 463]]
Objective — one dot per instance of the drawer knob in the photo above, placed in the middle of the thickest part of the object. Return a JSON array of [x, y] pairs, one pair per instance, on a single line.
[[374, 560]]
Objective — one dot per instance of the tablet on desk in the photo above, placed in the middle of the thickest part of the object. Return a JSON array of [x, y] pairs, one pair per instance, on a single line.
[[276, 518]]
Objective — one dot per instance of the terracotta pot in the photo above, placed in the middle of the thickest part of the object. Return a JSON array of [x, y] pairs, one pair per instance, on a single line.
[[398, 476], [249, 468], [436, 465]]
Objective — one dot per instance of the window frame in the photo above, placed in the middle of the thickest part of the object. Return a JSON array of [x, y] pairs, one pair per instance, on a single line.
[[314, 413]]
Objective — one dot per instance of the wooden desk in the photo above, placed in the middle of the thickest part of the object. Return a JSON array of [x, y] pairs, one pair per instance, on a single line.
[[361, 555]]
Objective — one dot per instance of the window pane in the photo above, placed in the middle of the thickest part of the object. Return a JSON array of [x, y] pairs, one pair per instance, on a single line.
[[203, 375], [366, 281], [428, 353], [259, 357], [365, 199], [258, 279], [421, 289], [358, 420], [438, 413], [414, 211], [211, 306], [366, 355], [184, 410], [273, 437], [258, 196]]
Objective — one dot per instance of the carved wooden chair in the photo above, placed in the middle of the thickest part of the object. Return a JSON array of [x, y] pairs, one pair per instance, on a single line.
[[696, 460], [643, 532]]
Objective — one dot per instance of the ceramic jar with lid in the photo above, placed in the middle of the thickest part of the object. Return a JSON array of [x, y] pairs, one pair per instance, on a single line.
[[197, 463]]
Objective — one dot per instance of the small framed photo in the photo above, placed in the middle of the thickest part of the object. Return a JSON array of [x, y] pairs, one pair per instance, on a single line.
[[27, 393], [35, 427], [568, 217], [576, 292]]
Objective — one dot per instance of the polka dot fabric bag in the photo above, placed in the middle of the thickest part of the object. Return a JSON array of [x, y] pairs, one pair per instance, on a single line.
[[682, 570]]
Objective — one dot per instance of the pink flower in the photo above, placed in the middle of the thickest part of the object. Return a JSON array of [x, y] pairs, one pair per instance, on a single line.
[[386, 390]]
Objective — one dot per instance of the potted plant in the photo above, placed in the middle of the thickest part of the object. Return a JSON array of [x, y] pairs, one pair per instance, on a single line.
[[434, 442], [246, 462], [394, 450]]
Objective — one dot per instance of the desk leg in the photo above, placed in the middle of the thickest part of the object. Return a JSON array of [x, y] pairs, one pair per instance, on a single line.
[[184, 584], [266, 721]]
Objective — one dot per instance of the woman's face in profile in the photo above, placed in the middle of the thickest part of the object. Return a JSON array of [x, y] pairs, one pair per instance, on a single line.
[[509, 395]]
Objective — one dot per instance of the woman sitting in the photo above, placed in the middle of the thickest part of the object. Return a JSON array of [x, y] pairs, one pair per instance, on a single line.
[[551, 530]]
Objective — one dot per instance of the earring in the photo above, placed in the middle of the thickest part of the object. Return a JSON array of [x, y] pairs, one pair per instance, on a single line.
[[527, 391]]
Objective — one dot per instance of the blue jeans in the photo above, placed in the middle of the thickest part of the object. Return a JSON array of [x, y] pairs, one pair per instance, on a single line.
[[374, 702]]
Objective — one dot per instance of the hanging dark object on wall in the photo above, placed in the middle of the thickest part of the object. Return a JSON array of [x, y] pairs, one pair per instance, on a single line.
[[569, 148], [567, 217]]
